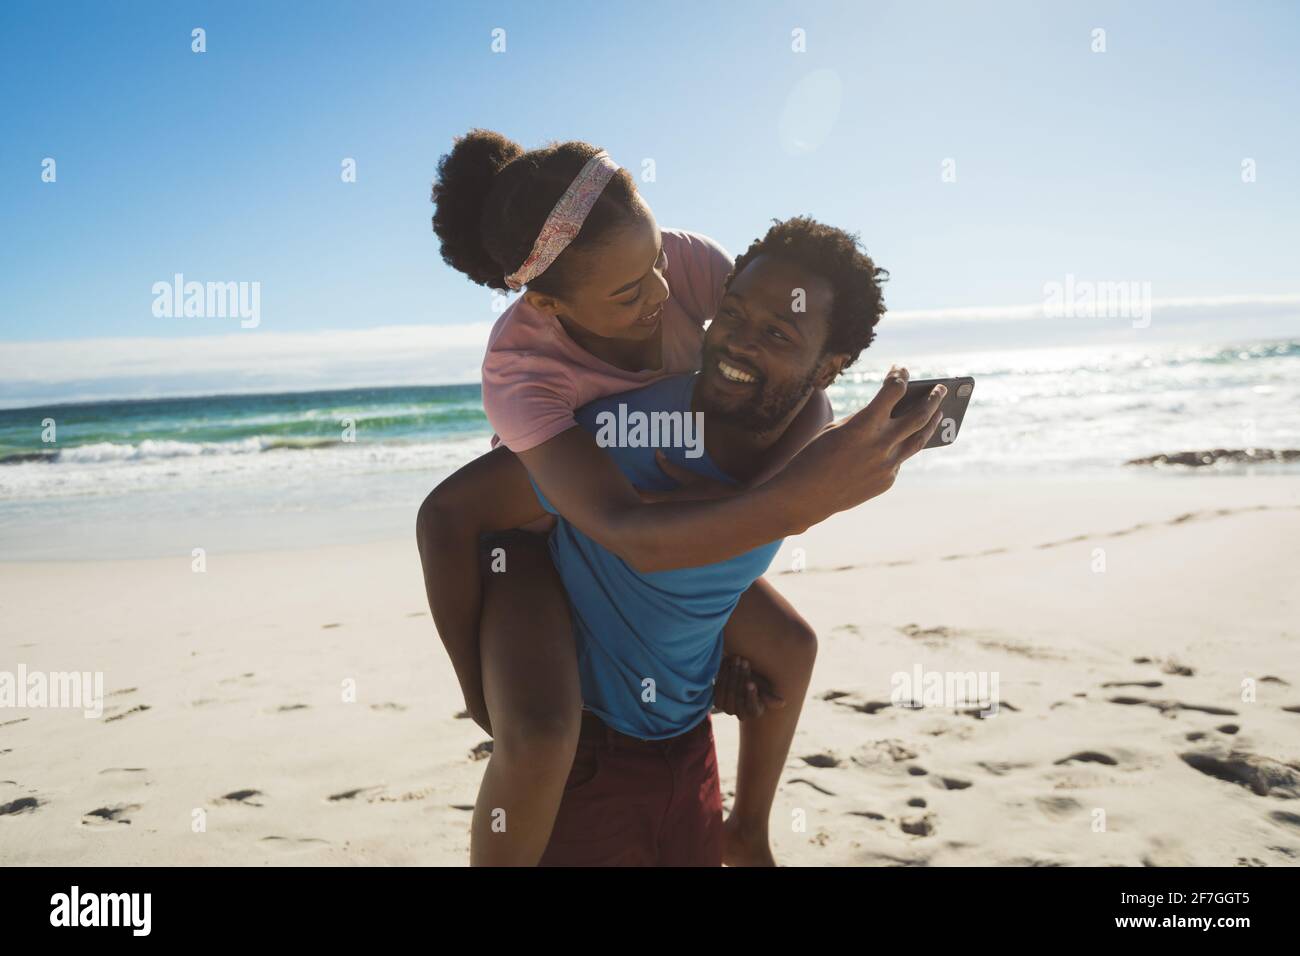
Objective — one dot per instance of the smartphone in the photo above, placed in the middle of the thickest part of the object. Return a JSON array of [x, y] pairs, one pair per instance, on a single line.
[[952, 410]]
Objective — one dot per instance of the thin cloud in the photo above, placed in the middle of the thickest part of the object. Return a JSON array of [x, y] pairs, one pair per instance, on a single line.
[[253, 360], [1168, 309]]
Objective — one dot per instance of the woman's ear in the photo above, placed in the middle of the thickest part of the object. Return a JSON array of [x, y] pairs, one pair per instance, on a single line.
[[830, 368], [543, 302]]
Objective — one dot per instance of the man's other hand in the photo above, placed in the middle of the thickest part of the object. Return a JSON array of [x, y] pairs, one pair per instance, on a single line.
[[741, 692]]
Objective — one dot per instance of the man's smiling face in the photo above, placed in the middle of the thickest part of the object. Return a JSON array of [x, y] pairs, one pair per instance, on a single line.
[[762, 358]]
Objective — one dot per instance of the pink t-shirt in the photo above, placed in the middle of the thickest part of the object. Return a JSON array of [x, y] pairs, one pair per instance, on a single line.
[[535, 376]]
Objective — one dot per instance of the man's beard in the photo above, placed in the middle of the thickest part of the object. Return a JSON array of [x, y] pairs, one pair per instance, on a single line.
[[769, 410]]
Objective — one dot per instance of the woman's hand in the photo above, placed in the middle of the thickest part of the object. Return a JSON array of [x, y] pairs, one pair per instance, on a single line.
[[691, 486]]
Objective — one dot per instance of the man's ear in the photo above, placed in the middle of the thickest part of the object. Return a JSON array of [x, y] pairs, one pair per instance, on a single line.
[[830, 367], [543, 302]]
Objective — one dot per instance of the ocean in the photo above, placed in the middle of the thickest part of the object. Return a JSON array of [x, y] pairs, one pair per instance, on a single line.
[[143, 477]]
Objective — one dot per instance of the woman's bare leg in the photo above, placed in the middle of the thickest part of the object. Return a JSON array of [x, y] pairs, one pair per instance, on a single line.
[[534, 702], [780, 645]]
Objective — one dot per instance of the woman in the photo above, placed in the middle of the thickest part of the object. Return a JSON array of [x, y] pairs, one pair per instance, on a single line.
[[610, 302]]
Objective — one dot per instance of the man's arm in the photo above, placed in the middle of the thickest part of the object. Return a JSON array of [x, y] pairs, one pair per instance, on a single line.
[[491, 493], [845, 464]]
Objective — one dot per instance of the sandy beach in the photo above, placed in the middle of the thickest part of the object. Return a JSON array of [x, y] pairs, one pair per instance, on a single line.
[[297, 707]]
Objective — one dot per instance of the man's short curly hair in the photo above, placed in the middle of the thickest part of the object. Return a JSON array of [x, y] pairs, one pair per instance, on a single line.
[[836, 256]]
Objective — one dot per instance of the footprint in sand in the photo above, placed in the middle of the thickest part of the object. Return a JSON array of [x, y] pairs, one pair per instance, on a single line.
[[1058, 808], [21, 805], [1169, 666], [834, 695], [922, 826], [1169, 706], [870, 707], [984, 713], [869, 814], [1034, 861], [917, 802], [104, 815], [1089, 756], [1229, 729], [1133, 683], [388, 705], [482, 751], [137, 709], [950, 783], [326, 627], [409, 795], [244, 797], [821, 760], [123, 770], [353, 794], [1263, 776], [1000, 768], [284, 708], [893, 749], [933, 634], [294, 843], [1020, 649], [888, 860]]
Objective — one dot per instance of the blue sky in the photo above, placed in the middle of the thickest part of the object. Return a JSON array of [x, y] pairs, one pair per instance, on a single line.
[[224, 166]]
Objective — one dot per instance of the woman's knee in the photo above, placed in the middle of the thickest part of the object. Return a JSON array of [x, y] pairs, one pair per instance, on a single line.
[[430, 519], [541, 736], [799, 642]]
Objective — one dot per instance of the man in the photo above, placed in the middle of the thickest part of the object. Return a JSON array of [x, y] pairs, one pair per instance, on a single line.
[[644, 785]]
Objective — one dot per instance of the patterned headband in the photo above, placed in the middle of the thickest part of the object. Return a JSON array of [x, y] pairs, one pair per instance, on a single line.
[[566, 219]]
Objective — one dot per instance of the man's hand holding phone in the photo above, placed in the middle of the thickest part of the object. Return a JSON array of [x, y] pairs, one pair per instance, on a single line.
[[857, 458]]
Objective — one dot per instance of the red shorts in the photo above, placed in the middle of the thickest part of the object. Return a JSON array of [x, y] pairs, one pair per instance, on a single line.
[[631, 802]]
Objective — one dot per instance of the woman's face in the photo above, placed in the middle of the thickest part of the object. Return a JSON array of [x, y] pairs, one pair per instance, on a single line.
[[620, 286]]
